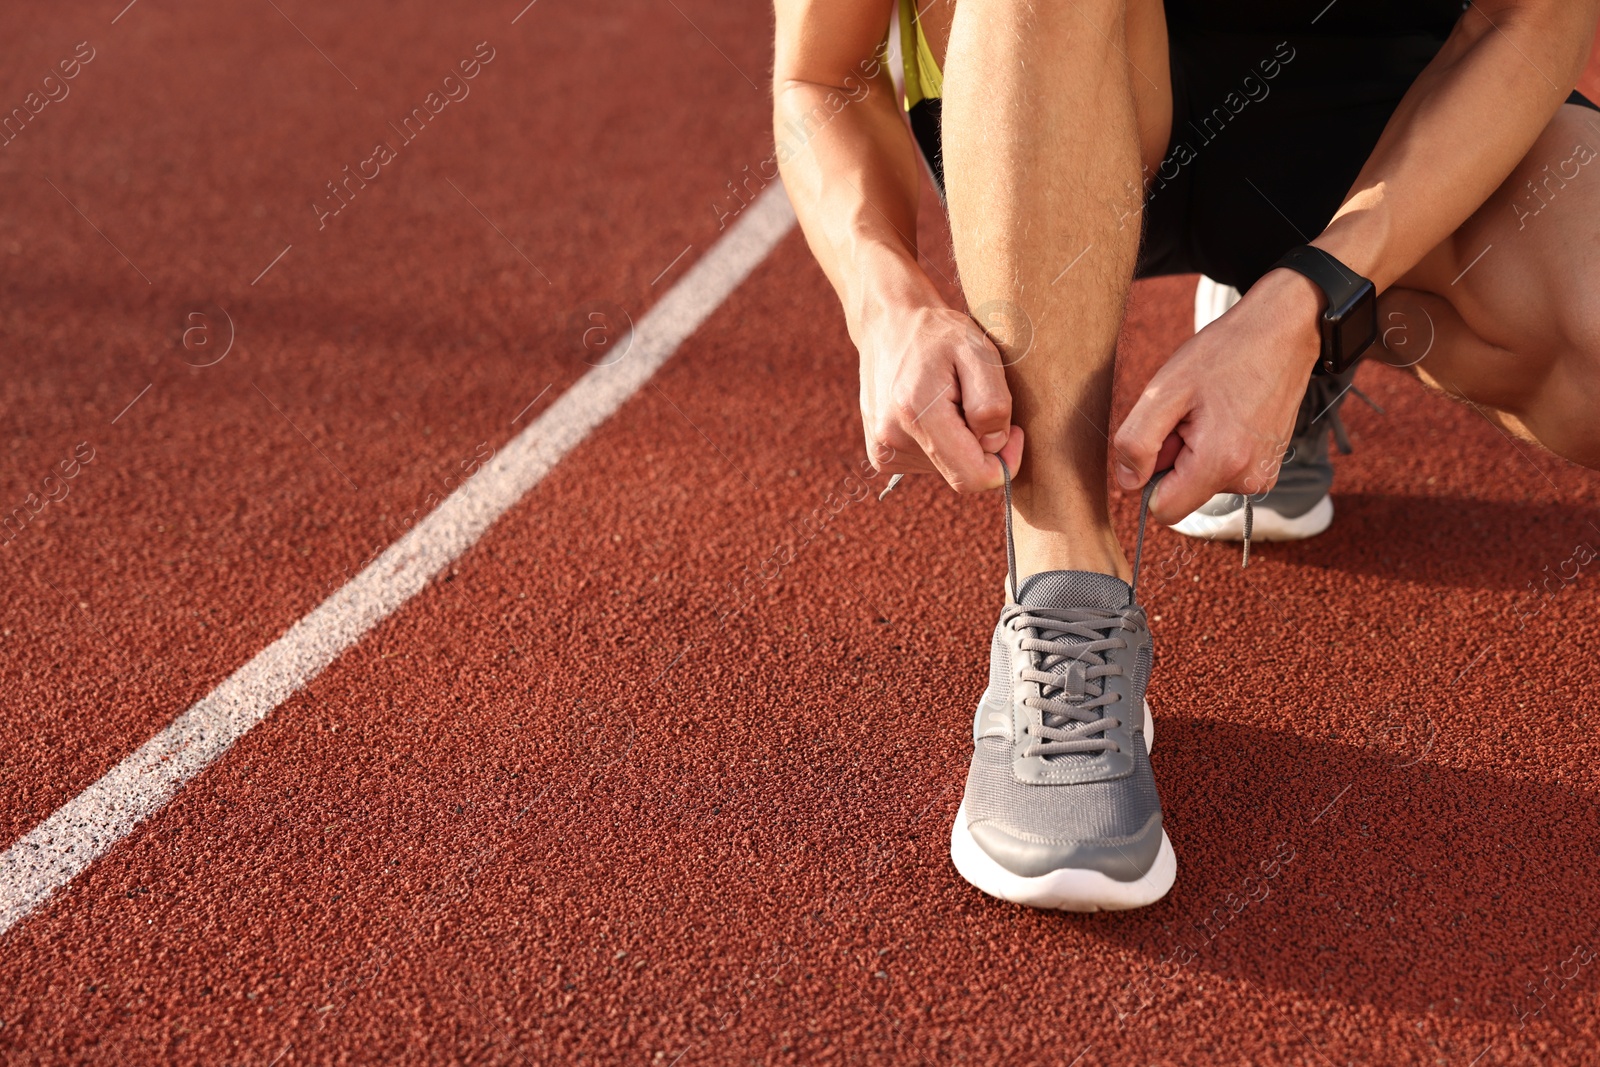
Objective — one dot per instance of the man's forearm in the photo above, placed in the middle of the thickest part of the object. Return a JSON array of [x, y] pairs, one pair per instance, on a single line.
[[854, 184], [1466, 123]]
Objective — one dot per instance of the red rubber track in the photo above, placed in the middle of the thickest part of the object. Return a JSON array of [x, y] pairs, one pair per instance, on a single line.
[[372, 361], [581, 801]]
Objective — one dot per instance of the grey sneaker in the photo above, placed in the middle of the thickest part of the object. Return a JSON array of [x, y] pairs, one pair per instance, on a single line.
[[1061, 809], [1298, 505]]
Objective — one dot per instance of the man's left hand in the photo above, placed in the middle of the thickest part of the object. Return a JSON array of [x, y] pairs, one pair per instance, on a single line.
[[1221, 411]]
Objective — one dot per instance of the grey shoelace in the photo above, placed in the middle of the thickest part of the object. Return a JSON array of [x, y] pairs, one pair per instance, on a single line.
[[1071, 643], [1138, 544], [1323, 394], [1073, 702]]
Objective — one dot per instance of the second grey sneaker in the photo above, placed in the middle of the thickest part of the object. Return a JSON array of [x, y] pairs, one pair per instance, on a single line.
[[1060, 809]]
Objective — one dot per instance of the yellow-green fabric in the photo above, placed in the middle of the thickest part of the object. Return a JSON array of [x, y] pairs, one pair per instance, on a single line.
[[924, 80]]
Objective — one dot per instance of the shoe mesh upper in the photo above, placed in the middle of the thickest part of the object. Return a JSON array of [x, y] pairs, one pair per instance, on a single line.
[[1096, 811], [1073, 589], [1088, 812]]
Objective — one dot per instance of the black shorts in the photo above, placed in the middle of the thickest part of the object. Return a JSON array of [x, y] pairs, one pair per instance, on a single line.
[[1269, 131], [1272, 120]]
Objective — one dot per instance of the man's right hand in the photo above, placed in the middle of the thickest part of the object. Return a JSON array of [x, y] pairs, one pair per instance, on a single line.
[[934, 398]]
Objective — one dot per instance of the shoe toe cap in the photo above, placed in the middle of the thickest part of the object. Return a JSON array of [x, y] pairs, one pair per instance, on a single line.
[[1030, 855]]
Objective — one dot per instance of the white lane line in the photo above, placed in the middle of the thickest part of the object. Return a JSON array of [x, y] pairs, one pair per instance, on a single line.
[[83, 829]]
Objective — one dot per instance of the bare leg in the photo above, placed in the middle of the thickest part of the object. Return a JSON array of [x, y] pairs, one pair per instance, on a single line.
[[1047, 108], [1506, 314]]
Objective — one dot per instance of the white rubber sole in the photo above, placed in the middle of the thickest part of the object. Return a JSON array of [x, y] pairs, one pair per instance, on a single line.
[[1268, 525], [1211, 299], [1063, 890]]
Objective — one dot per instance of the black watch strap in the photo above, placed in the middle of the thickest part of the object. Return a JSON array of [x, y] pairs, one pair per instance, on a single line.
[[1332, 277], [1349, 323]]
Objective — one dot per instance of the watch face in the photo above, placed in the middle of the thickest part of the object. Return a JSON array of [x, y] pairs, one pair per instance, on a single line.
[[1355, 326]]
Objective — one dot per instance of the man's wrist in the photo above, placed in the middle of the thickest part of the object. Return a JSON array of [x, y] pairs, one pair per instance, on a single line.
[[1297, 303], [891, 285], [1349, 320], [1360, 237]]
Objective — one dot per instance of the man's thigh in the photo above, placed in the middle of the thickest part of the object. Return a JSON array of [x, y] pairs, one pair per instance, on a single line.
[[1520, 273], [1145, 31]]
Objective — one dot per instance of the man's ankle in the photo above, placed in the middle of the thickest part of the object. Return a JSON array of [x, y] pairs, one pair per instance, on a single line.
[[1059, 550]]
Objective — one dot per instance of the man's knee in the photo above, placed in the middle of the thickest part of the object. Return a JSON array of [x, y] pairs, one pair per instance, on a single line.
[[1575, 317], [1125, 36]]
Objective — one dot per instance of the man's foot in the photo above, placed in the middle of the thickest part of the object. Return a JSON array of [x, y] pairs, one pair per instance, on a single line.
[[1298, 506], [1061, 808]]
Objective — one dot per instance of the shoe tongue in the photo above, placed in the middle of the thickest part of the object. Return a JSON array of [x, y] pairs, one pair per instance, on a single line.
[[1073, 589]]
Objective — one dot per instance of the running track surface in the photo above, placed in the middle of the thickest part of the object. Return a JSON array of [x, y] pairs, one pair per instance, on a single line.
[[582, 800]]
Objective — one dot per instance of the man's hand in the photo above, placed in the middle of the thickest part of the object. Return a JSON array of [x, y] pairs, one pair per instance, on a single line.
[[934, 398], [1220, 412]]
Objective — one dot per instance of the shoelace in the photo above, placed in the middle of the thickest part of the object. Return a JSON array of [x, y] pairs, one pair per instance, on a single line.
[[1322, 396], [1070, 674], [1072, 642]]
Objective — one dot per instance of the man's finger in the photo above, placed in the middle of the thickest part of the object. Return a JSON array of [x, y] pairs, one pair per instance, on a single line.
[[1140, 439], [894, 452], [1012, 452], [904, 461], [1190, 484], [945, 440], [985, 398], [1169, 452]]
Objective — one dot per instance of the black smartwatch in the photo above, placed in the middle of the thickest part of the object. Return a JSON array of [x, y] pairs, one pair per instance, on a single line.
[[1350, 321]]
